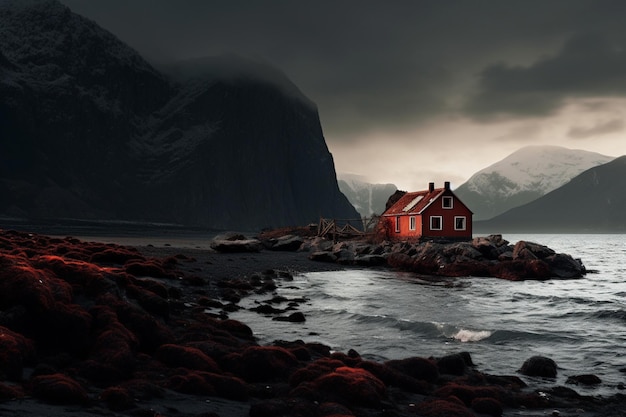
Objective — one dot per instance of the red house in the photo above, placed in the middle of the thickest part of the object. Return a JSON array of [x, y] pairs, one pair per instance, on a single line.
[[433, 213]]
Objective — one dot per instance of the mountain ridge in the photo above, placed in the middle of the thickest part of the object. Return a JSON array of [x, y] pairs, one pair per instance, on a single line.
[[523, 176], [592, 202]]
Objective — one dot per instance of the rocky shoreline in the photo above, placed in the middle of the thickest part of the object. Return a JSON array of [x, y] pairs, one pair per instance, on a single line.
[[489, 256], [96, 328]]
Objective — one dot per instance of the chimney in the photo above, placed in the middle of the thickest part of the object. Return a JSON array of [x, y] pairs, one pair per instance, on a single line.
[[446, 185], [431, 187]]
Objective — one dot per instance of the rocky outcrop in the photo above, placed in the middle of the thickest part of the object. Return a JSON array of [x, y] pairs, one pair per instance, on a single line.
[[487, 256]]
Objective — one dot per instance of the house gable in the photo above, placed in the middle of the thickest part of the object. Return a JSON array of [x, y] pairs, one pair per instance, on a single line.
[[432, 213]]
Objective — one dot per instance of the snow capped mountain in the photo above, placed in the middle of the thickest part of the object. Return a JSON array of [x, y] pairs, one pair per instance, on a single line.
[[366, 198], [524, 176]]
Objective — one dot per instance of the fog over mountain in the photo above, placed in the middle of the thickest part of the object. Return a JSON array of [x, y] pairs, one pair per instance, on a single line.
[[524, 176], [90, 130], [367, 198]]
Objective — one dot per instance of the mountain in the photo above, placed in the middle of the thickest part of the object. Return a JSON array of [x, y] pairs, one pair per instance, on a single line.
[[592, 202], [90, 130], [524, 176], [366, 198]]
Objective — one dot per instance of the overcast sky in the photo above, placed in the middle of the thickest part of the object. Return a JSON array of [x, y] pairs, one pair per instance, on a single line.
[[414, 91]]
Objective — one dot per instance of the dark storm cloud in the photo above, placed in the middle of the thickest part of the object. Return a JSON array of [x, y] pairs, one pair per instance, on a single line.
[[378, 65], [588, 65]]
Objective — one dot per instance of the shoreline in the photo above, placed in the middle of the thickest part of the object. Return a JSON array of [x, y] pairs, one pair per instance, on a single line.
[[237, 272]]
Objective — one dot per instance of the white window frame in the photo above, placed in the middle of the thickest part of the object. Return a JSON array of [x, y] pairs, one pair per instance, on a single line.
[[412, 223], [457, 218], [447, 198], [432, 218], [397, 224]]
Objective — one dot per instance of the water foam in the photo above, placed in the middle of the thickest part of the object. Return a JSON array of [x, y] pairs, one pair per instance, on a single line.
[[471, 336]]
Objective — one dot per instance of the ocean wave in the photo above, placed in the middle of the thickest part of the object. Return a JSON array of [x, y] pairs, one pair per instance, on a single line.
[[610, 314], [465, 336]]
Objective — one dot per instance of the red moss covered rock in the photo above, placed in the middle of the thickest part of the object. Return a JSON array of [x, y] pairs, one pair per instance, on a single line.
[[116, 255], [262, 363], [9, 392], [443, 408], [149, 301], [345, 385], [468, 394], [488, 406], [148, 268], [314, 370], [58, 389], [15, 350], [191, 383], [186, 357], [391, 376]]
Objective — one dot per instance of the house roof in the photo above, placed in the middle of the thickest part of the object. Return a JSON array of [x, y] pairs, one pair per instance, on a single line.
[[413, 203]]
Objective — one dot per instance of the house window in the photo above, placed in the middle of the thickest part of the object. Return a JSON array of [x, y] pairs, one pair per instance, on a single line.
[[460, 223], [436, 223], [397, 224], [412, 223], [447, 202]]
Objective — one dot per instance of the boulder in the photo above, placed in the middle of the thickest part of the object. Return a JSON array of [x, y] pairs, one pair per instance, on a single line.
[[418, 368], [531, 250], [586, 379], [539, 366], [323, 256], [564, 266], [236, 246], [370, 260], [288, 243]]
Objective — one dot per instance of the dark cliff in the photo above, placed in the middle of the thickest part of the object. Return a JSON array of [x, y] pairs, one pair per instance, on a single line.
[[89, 130]]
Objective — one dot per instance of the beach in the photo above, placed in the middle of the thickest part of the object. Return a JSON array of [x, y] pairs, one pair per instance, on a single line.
[[151, 336]]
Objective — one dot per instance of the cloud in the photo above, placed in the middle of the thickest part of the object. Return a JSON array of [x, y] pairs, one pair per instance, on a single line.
[[588, 65], [601, 128]]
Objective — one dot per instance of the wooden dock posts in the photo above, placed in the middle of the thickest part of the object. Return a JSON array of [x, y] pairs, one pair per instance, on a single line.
[[343, 228]]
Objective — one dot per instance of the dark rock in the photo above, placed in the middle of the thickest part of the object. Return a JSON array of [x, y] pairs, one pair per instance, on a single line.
[[452, 364], [418, 368], [586, 379], [564, 266], [531, 250], [236, 246], [117, 398], [286, 243], [370, 260], [320, 256], [539, 366], [296, 317]]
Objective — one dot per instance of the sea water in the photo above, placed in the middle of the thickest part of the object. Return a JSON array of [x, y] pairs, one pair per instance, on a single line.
[[579, 323]]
